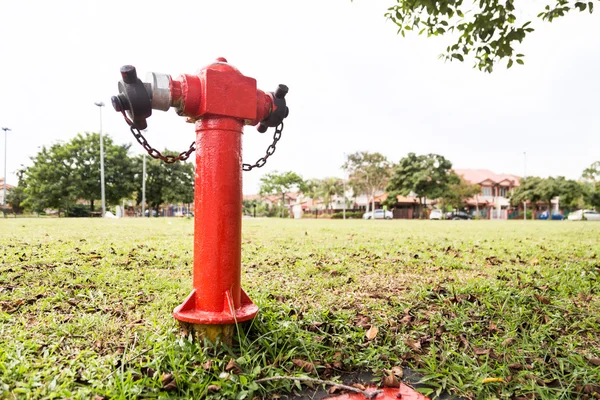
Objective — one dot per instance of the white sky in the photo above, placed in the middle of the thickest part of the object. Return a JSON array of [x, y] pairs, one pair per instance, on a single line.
[[354, 84]]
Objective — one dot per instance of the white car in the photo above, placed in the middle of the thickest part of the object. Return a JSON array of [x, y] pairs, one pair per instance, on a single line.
[[379, 214], [436, 214], [587, 215]]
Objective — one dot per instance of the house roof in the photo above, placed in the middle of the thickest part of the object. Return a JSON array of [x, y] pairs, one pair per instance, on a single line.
[[401, 199], [478, 176], [7, 185]]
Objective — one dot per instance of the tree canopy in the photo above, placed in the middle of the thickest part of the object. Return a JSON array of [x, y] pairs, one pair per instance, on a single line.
[[16, 196], [487, 30], [536, 189], [280, 183], [165, 183], [458, 191], [83, 152], [64, 173], [330, 187], [427, 176], [367, 172]]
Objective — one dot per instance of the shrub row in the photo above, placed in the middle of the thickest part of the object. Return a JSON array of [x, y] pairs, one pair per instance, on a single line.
[[349, 215]]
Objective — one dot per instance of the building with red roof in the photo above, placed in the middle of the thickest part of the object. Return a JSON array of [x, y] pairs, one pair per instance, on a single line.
[[493, 202]]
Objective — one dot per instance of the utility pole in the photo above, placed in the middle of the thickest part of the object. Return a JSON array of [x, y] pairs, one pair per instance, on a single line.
[[525, 177], [144, 185], [100, 105], [5, 144]]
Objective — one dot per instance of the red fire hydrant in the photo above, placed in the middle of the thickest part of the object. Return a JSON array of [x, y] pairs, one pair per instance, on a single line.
[[220, 101]]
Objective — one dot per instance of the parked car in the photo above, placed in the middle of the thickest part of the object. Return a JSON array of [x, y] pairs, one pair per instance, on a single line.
[[436, 214], [584, 215], [379, 214], [555, 216], [456, 215]]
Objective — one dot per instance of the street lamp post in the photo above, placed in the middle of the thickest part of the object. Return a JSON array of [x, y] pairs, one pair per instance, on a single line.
[[5, 143], [100, 105]]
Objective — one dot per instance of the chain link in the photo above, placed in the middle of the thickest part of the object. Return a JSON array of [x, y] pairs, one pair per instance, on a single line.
[[270, 150], [184, 155]]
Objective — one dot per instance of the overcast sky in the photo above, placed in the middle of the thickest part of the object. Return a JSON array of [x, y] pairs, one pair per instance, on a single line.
[[354, 83]]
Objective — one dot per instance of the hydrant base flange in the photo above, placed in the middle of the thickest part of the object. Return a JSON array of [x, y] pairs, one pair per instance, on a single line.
[[189, 312]]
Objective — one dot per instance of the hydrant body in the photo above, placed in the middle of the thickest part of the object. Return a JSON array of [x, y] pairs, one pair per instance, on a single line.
[[220, 101], [217, 297]]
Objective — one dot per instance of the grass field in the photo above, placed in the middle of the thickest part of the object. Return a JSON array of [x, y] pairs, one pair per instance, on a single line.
[[85, 308]]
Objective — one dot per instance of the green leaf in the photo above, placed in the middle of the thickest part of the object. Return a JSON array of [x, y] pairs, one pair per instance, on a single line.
[[510, 63], [519, 61], [520, 55], [591, 7], [458, 56]]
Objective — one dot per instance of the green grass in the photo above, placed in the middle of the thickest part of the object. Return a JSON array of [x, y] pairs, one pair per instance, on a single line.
[[85, 307]]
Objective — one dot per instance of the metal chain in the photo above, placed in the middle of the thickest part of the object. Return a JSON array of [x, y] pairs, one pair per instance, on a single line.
[[169, 159], [184, 155], [270, 150]]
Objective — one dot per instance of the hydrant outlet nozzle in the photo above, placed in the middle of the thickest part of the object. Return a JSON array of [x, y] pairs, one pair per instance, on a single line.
[[279, 110], [135, 97]]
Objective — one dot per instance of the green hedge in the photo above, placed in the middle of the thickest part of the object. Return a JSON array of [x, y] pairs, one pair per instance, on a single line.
[[349, 215], [79, 210]]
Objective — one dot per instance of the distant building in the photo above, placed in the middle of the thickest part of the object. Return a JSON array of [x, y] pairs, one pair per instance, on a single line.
[[493, 201], [8, 187]]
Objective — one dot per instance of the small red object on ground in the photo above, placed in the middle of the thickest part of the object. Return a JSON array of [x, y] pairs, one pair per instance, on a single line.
[[402, 393]]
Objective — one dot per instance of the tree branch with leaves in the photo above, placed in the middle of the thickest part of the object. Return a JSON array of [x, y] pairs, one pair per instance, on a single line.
[[488, 30]]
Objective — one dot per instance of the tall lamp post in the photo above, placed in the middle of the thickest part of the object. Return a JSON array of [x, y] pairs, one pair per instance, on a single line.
[[5, 142], [100, 105]]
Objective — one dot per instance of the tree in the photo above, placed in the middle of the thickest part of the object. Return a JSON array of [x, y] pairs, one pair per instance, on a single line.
[[64, 173], [311, 188], [51, 182], [548, 189], [84, 153], [570, 192], [591, 195], [16, 196], [487, 29], [330, 187], [165, 183], [591, 185], [280, 183], [592, 173], [458, 191], [367, 173], [527, 191], [426, 176], [536, 189]]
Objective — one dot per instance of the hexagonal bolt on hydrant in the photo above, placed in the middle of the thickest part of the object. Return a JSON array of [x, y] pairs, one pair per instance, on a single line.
[[220, 101]]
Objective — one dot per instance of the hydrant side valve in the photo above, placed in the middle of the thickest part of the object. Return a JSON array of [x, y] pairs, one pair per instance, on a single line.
[[279, 110], [134, 97]]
